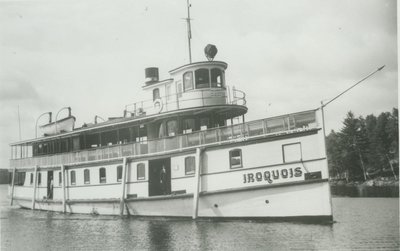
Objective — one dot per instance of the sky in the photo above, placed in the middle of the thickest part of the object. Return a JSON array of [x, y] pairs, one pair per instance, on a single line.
[[287, 56]]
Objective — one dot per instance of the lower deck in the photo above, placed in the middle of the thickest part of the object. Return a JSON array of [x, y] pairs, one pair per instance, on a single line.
[[255, 178]]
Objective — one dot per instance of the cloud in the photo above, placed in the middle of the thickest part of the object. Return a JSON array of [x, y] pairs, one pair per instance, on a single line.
[[17, 90]]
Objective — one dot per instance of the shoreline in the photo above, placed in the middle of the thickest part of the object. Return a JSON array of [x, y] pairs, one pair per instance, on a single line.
[[377, 187]]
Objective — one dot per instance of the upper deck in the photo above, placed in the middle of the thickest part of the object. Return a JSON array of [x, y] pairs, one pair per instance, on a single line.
[[270, 127], [196, 85]]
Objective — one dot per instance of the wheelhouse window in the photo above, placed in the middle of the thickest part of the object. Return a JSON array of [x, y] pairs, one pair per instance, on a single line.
[[188, 126], [119, 173], [31, 181], [216, 78], [188, 81], [141, 171], [190, 165], [86, 176], [172, 128], [235, 158], [202, 78], [102, 175], [39, 178], [156, 94], [60, 178], [73, 178]]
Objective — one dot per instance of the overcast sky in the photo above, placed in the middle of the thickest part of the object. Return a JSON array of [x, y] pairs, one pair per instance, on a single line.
[[286, 55]]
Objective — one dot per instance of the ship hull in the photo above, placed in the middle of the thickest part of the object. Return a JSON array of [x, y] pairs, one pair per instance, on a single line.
[[300, 201]]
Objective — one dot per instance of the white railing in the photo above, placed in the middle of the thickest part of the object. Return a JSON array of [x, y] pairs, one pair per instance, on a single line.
[[193, 98], [269, 127]]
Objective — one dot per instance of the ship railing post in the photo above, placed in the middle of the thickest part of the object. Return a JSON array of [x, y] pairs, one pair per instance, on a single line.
[[35, 181], [63, 188], [123, 184], [198, 183], [13, 185], [323, 139]]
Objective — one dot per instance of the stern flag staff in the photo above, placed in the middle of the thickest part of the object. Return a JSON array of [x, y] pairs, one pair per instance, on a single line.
[[340, 94], [348, 89]]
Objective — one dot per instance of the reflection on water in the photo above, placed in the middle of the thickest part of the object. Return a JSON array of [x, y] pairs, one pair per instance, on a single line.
[[362, 223]]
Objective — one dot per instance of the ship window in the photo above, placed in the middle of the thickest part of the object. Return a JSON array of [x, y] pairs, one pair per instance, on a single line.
[[119, 173], [86, 176], [39, 178], [188, 126], [202, 78], [190, 165], [156, 94], [73, 178], [172, 128], [304, 119], [75, 143], [39, 149], [188, 81], [168, 92], [18, 152], [291, 152], [235, 158], [275, 125], [204, 123], [31, 181], [141, 171], [102, 172], [19, 178], [216, 78], [60, 178], [10, 176], [30, 151]]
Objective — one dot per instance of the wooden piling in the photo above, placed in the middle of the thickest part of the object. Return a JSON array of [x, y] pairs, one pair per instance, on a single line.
[[12, 186]]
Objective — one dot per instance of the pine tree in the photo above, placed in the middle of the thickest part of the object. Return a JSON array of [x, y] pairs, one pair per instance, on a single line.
[[352, 144]]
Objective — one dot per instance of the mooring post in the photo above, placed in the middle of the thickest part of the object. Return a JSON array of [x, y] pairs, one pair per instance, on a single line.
[[34, 187], [123, 183], [197, 186], [12, 186], [63, 188]]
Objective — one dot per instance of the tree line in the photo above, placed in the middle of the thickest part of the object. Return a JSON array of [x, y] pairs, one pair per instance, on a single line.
[[365, 148]]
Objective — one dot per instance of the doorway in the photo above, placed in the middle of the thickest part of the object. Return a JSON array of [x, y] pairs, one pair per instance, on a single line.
[[50, 184], [159, 177]]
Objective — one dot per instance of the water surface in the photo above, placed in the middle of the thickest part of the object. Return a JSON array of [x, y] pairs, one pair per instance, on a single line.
[[361, 224]]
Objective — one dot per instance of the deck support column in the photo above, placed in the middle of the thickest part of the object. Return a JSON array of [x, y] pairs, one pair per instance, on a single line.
[[35, 181], [12, 186], [123, 184], [198, 183], [63, 188]]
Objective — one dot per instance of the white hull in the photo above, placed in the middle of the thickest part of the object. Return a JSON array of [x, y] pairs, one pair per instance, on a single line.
[[302, 200]]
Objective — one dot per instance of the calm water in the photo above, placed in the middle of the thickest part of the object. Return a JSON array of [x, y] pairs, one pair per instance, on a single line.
[[362, 223]]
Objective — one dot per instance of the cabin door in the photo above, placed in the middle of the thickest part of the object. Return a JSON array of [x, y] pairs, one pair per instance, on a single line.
[[159, 177], [50, 184]]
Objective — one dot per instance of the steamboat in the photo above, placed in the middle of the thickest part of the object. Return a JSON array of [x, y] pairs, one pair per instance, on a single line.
[[185, 151]]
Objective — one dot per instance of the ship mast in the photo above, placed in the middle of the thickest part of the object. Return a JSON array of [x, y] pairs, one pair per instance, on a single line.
[[189, 30]]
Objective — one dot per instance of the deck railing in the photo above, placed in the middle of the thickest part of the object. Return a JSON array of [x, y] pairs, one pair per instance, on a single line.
[[238, 132], [192, 98]]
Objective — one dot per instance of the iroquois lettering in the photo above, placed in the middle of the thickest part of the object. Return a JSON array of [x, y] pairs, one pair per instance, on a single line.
[[271, 176]]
